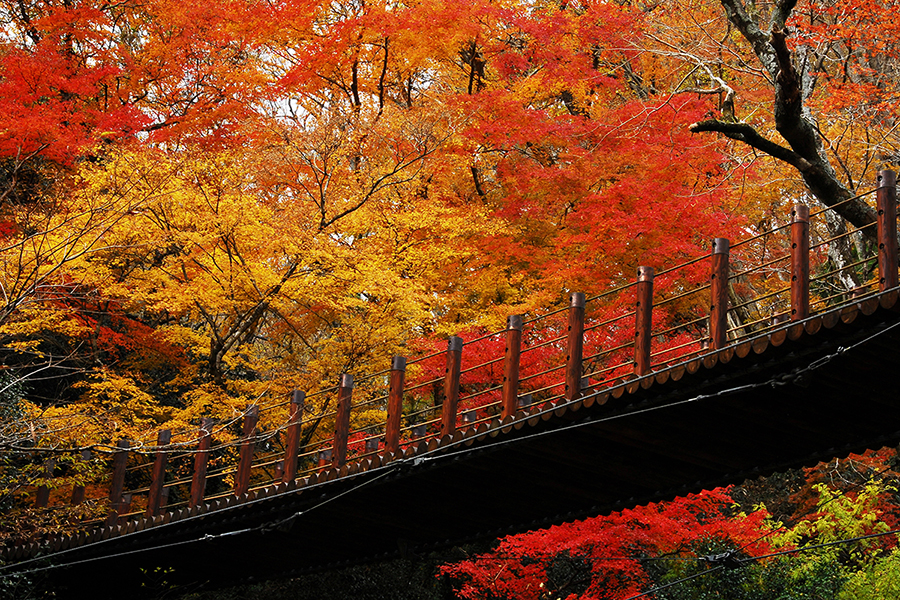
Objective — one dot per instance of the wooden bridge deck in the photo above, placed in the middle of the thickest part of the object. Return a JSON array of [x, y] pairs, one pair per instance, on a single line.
[[811, 390]]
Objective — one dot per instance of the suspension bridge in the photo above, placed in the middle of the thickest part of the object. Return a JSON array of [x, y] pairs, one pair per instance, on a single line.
[[738, 363]]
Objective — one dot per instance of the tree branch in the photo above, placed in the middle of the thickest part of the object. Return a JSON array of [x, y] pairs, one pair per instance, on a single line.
[[781, 13], [792, 120], [739, 17], [789, 118], [747, 134]]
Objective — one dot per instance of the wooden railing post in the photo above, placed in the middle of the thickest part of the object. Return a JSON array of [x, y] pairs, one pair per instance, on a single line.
[[525, 401], [886, 199], [78, 489], [718, 281], [324, 458], [125, 508], [292, 441], [158, 478], [799, 262], [201, 459], [43, 491], [643, 324], [511, 365], [395, 404], [451, 385], [248, 431], [117, 486], [342, 421], [575, 346]]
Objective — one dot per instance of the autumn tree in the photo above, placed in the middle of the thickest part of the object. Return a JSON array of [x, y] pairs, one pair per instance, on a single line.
[[797, 59], [697, 547], [262, 197], [302, 169], [803, 84]]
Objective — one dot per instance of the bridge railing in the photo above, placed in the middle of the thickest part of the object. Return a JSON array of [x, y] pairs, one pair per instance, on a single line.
[[486, 379]]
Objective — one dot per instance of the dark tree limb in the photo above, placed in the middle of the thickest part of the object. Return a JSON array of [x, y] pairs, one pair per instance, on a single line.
[[749, 28], [781, 12], [477, 179], [381, 77], [793, 122], [747, 134]]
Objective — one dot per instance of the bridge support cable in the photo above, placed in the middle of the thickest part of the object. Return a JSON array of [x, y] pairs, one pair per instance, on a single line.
[[575, 347], [727, 560], [643, 325], [676, 582], [718, 308], [799, 262], [886, 199], [269, 526], [451, 386], [511, 365], [448, 454]]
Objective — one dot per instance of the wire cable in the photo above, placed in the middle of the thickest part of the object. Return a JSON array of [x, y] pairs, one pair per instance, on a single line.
[[728, 560], [676, 582], [775, 381], [6, 570], [858, 538]]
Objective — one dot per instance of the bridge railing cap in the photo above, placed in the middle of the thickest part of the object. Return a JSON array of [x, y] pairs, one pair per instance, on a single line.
[[645, 273], [799, 213], [887, 178]]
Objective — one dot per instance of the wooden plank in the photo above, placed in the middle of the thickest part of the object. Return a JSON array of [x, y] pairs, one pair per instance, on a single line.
[[201, 459], [451, 385], [575, 346], [643, 325], [248, 432], [395, 404], [511, 365], [886, 199], [799, 262], [117, 486], [292, 438], [718, 307], [342, 421], [159, 472]]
